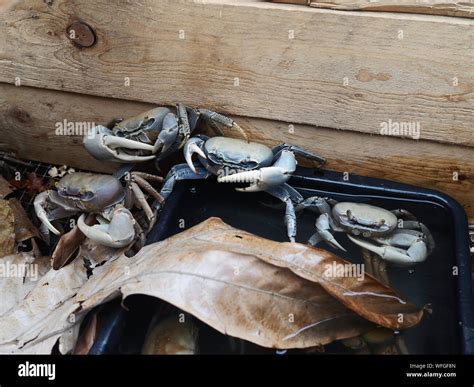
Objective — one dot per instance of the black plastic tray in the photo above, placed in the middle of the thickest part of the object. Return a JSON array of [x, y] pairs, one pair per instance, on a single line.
[[448, 330]]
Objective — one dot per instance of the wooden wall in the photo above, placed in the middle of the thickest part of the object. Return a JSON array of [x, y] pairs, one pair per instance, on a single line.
[[320, 78], [430, 7]]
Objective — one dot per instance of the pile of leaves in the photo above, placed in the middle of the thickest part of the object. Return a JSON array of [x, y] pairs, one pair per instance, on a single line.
[[277, 295]]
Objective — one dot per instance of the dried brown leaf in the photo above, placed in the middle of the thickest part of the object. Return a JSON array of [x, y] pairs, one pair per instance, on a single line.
[[5, 188], [7, 230], [69, 245], [24, 228], [31, 183], [48, 311]]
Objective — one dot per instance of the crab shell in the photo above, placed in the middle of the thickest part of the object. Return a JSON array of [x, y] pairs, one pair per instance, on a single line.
[[143, 127], [239, 154], [365, 219], [89, 192]]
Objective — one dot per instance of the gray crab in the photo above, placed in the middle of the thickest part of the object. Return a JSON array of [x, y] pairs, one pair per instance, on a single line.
[[396, 236], [236, 161], [103, 195], [154, 134]]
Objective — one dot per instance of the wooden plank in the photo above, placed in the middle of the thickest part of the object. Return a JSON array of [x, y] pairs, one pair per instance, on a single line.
[[346, 70], [7, 4], [429, 7], [29, 116]]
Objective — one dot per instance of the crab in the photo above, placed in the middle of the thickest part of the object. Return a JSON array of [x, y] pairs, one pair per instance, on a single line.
[[106, 197], [395, 236], [236, 161], [154, 134]]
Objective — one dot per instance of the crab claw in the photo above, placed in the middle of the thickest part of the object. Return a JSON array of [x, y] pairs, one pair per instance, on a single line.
[[40, 201], [118, 233], [323, 233], [416, 253], [191, 147], [265, 177], [260, 178], [103, 145]]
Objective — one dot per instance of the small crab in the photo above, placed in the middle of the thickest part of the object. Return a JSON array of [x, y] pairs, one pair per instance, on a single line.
[[103, 195], [236, 161], [396, 236], [154, 134]]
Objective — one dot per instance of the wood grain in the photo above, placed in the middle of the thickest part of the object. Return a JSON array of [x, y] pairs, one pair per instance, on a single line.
[[28, 117], [429, 7], [424, 77]]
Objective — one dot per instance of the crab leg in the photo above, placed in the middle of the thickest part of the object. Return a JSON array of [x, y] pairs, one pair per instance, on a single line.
[[290, 220], [212, 118], [295, 196], [142, 183], [375, 266], [299, 151], [285, 195], [184, 127], [141, 199], [430, 243], [141, 237], [182, 172], [118, 233], [148, 176], [323, 233], [315, 202]]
